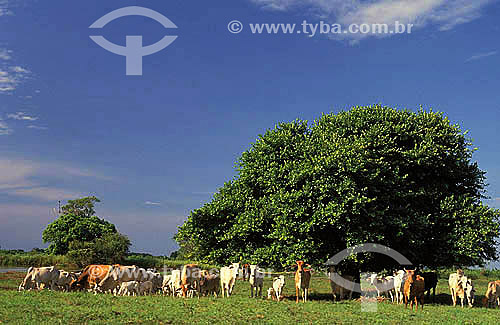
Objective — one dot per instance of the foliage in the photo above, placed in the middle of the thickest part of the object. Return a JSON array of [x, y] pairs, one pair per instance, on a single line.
[[32, 259], [371, 174], [109, 249], [76, 223]]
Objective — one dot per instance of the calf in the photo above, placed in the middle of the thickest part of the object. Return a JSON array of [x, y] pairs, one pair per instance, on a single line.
[[270, 293], [227, 279], [340, 287], [129, 288], [399, 280], [175, 283], [414, 289], [462, 287], [302, 279], [256, 281], [492, 296], [145, 287], [277, 288], [246, 272], [190, 279], [209, 284], [383, 285]]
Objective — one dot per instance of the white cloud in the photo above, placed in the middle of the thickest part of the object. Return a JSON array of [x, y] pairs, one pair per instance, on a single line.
[[19, 69], [36, 127], [5, 54], [444, 14], [152, 203], [481, 56], [10, 75], [47, 193], [23, 178], [21, 116], [4, 128]]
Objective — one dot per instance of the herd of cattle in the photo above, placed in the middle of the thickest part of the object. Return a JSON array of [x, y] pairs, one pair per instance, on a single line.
[[191, 280]]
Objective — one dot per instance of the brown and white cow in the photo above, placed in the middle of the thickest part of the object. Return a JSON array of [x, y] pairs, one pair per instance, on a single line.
[[190, 279], [119, 273], [302, 280], [492, 296], [461, 287], [90, 277]]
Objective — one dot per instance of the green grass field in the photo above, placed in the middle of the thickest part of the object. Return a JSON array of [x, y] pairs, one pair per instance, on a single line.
[[76, 307]]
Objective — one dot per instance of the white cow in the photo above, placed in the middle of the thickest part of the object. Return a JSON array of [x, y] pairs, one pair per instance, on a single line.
[[166, 285], [278, 284], [129, 288], [383, 285], [175, 283], [145, 287], [236, 267], [399, 282], [227, 279], [28, 283], [256, 281], [46, 276]]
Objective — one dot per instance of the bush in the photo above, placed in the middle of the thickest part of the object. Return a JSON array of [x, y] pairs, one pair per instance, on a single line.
[[109, 249]]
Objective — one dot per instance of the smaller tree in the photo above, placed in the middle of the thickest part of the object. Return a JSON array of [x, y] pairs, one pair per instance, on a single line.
[[109, 249], [76, 223]]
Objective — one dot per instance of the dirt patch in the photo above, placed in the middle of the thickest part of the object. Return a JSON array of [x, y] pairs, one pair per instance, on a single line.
[[12, 276]]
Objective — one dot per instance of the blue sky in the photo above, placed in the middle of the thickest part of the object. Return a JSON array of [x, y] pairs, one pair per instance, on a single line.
[[156, 146]]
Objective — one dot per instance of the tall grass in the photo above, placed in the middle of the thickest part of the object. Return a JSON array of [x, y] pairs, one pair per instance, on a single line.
[[19, 258], [29, 259]]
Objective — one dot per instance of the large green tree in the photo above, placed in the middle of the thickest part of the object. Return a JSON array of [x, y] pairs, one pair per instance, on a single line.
[[77, 222], [370, 174]]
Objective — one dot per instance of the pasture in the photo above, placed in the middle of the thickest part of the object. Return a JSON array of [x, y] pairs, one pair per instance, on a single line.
[[82, 307]]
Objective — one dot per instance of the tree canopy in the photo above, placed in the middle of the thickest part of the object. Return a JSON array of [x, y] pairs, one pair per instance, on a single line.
[[369, 174], [77, 222]]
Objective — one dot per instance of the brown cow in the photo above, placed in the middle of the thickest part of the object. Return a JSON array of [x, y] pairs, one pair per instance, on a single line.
[[246, 272], [190, 279], [302, 279], [492, 296], [414, 289], [90, 277], [209, 283]]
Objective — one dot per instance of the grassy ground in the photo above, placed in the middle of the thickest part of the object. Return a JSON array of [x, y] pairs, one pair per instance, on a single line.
[[56, 307]]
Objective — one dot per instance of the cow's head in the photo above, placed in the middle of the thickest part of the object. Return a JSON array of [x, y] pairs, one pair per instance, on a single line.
[[411, 274]]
